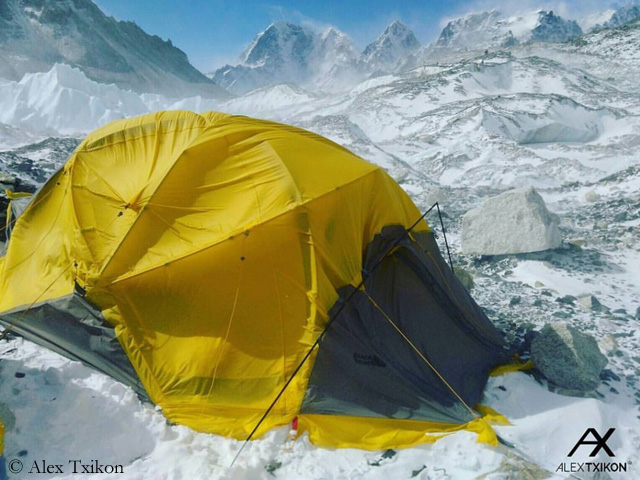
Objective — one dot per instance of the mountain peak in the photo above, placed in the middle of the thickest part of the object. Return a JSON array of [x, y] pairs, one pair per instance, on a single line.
[[286, 52], [623, 15], [553, 28], [396, 42], [279, 41], [400, 30], [35, 35]]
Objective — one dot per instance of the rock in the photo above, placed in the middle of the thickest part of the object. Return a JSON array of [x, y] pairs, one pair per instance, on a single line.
[[516, 221], [465, 278], [7, 178], [591, 196], [620, 217], [601, 225], [528, 339], [567, 357], [609, 344], [607, 375], [578, 243], [538, 284], [566, 300], [590, 302], [638, 313], [515, 300]]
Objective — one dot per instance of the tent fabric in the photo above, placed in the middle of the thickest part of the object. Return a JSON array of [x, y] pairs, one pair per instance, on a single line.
[[215, 247], [73, 328], [364, 367]]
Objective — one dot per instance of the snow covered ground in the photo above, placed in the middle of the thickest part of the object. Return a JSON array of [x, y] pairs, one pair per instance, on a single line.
[[563, 118]]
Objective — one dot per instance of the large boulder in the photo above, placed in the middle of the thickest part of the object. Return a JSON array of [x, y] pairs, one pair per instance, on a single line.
[[568, 358], [516, 221]]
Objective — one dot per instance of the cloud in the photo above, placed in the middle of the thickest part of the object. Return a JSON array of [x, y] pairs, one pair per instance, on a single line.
[[279, 13]]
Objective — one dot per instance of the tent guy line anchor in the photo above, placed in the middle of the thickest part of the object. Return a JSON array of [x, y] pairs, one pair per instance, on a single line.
[[331, 320]]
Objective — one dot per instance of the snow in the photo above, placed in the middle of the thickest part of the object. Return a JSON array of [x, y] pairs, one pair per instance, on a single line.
[[64, 101], [546, 426], [616, 287], [64, 410]]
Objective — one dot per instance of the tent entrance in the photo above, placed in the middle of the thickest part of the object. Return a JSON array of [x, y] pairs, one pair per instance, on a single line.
[[364, 368]]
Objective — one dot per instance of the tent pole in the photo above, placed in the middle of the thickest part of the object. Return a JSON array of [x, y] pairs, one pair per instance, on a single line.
[[444, 234], [319, 339]]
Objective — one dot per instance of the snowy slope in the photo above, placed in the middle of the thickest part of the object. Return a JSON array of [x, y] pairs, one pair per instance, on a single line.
[[64, 101], [35, 35]]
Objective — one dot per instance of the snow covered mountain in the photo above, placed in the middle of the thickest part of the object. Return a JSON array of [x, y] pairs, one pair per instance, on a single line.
[[611, 18], [595, 20], [325, 61], [622, 16], [396, 42], [491, 30], [36, 34], [288, 53]]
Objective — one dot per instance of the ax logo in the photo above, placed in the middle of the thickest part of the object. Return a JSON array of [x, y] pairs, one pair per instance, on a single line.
[[599, 442]]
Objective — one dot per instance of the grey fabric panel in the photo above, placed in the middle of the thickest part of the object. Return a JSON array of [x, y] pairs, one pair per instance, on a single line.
[[73, 328], [19, 205], [365, 368]]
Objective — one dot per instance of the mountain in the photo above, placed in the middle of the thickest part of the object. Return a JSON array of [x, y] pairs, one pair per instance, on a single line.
[[491, 30], [289, 53], [553, 28], [396, 42], [36, 34], [477, 29], [622, 16], [595, 20], [326, 61]]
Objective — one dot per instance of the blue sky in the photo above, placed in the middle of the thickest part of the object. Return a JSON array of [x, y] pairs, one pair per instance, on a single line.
[[214, 32]]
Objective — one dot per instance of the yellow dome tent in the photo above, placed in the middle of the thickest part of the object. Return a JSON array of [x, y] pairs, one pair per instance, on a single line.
[[198, 258]]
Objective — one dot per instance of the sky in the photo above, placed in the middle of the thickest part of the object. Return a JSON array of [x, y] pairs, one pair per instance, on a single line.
[[215, 32]]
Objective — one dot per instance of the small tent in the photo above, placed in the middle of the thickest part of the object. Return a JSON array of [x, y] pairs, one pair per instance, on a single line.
[[199, 258]]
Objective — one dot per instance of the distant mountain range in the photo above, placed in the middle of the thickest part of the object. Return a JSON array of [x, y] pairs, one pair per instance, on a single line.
[[492, 30], [36, 34], [329, 61], [285, 52]]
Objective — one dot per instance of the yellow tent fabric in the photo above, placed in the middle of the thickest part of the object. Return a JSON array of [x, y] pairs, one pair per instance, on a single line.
[[147, 208], [169, 223]]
